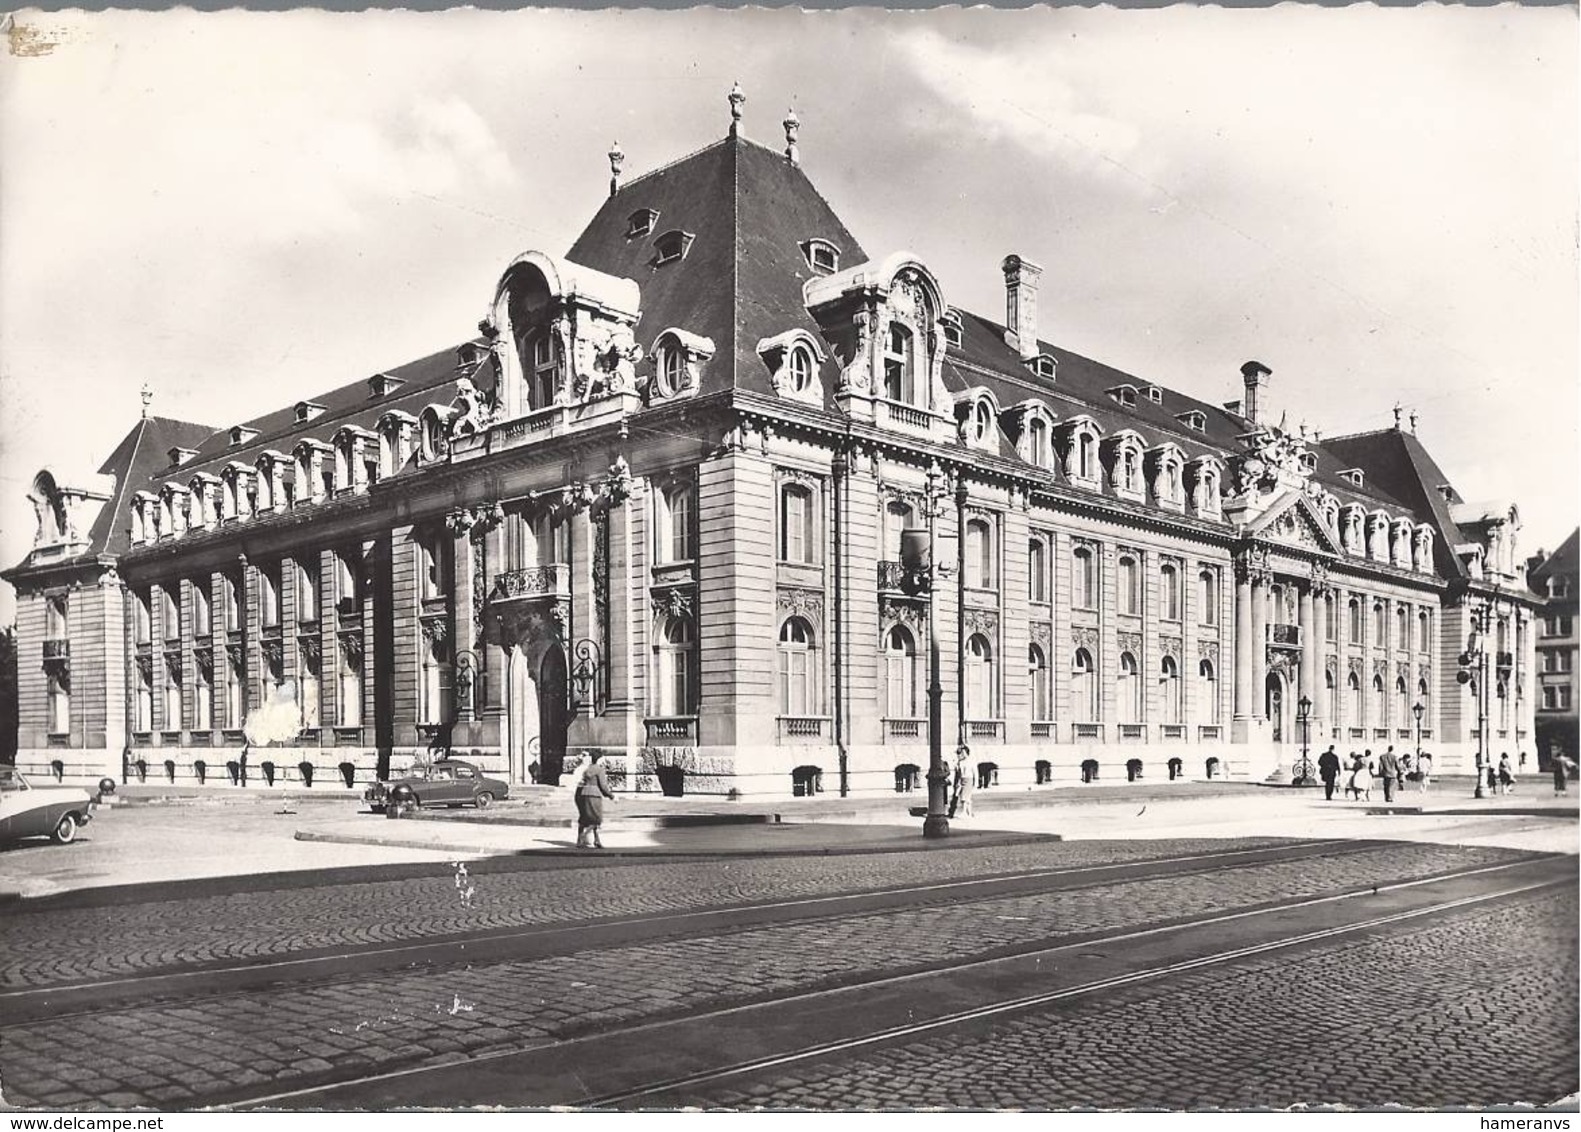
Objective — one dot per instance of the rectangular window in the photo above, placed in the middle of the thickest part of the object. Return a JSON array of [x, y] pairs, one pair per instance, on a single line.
[[1037, 573], [144, 622], [59, 701], [230, 589], [675, 524], [1169, 591], [269, 595], [433, 567], [348, 582], [202, 613], [796, 525], [1208, 597], [307, 589]]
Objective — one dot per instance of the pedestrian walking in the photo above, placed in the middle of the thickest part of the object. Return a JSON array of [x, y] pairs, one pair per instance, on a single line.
[[1360, 784], [1523, 762], [961, 799], [1424, 768], [1562, 767], [1390, 771], [591, 790], [1506, 774], [1328, 771]]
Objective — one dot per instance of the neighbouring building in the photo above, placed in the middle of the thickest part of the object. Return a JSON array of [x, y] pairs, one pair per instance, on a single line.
[[655, 506], [1553, 579]]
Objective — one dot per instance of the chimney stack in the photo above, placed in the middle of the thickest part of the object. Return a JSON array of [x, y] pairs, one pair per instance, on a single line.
[[1254, 376], [1021, 305]]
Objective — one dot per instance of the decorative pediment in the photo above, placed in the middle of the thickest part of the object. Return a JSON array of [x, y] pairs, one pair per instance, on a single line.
[[1295, 522]]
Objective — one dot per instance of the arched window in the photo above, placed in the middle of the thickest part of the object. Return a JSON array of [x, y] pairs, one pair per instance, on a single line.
[[1423, 699], [676, 648], [387, 466], [1169, 592], [1330, 624], [980, 572], [348, 588], [801, 369], [1402, 626], [1083, 687], [797, 543], [1501, 691], [172, 705], [898, 382], [1402, 702], [1038, 442], [59, 700], [1130, 595], [982, 421], [1208, 597], [308, 688], [541, 382], [203, 699], [433, 566], [143, 617], [1086, 465], [342, 472], [897, 517], [900, 674], [433, 437], [1038, 678], [1207, 693], [1128, 692], [233, 603], [1380, 702], [1169, 689], [307, 589], [431, 689], [798, 668], [677, 504], [143, 712], [350, 686], [979, 678], [1129, 477], [1353, 620], [202, 609], [1037, 571], [1424, 631], [1353, 700], [1380, 626], [327, 481], [264, 483], [1084, 578]]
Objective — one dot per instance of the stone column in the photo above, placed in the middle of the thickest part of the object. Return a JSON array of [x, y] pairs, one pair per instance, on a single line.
[[1243, 643], [1309, 649], [1259, 646], [1322, 710]]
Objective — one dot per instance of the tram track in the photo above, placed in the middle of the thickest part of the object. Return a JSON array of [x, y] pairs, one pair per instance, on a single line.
[[23, 1006], [660, 1059]]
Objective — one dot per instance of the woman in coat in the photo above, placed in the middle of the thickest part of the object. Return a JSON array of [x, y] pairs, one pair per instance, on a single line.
[[1360, 784], [590, 794]]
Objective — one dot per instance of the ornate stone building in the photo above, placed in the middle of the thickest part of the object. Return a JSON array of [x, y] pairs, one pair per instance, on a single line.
[[655, 506], [1553, 578]]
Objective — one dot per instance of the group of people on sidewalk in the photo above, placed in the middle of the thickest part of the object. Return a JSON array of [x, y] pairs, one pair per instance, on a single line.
[[1362, 769]]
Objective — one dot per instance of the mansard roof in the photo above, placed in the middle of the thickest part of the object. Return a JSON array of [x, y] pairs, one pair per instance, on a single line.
[[1560, 562], [1399, 470], [750, 210]]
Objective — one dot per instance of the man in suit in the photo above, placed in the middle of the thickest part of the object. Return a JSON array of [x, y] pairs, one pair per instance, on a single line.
[[1390, 771], [1328, 771]]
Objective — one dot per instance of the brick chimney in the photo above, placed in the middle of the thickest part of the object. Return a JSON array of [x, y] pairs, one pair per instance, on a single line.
[[1254, 375], [1021, 305]]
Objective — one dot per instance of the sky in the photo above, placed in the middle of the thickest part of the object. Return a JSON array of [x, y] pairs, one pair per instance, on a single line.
[[244, 209]]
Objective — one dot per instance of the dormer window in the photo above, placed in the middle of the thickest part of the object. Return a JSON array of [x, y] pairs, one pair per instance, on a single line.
[[1045, 366], [382, 385], [952, 328], [1155, 394], [1124, 395], [179, 456], [641, 222], [308, 410], [822, 256], [1308, 462], [544, 378], [1038, 449], [1194, 420], [672, 245], [678, 359], [982, 422], [241, 434], [672, 369], [1354, 476], [898, 354]]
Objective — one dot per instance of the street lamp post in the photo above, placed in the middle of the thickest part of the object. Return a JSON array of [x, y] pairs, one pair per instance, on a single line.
[[921, 570], [1474, 668], [1417, 710], [1304, 718]]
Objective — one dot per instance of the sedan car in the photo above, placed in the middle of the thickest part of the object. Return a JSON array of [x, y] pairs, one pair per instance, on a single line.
[[445, 782], [54, 811]]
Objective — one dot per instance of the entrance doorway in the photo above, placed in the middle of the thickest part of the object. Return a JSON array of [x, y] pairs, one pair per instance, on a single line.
[[553, 715]]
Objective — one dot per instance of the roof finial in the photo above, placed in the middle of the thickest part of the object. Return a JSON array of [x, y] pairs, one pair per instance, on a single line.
[[616, 158], [792, 126], [1397, 411], [737, 98], [148, 396], [1413, 422]]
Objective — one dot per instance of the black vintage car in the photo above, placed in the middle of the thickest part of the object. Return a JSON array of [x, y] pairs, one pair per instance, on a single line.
[[444, 782]]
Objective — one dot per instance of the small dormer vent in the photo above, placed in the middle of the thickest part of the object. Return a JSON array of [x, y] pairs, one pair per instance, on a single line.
[[1354, 476], [308, 410], [1195, 420], [241, 434], [641, 222], [671, 246], [382, 385], [1123, 395], [952, 328], [1155, 394], [822, 256], [179, 456]]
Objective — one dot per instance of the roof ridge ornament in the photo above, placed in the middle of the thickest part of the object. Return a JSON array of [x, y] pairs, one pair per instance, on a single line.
[[616, 159], [738, 98], [148, 395], [792, 126]]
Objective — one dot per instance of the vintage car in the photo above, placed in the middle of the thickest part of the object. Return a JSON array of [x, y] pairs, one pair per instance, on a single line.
[[54, 811], [444, 782]]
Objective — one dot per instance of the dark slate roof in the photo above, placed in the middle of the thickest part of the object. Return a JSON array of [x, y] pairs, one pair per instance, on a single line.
[[430, 380], [741, 280], [1400, 470], [139, 457]]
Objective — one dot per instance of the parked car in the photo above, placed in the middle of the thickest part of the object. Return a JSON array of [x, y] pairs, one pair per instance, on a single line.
[[54, 811], [444, 782]]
